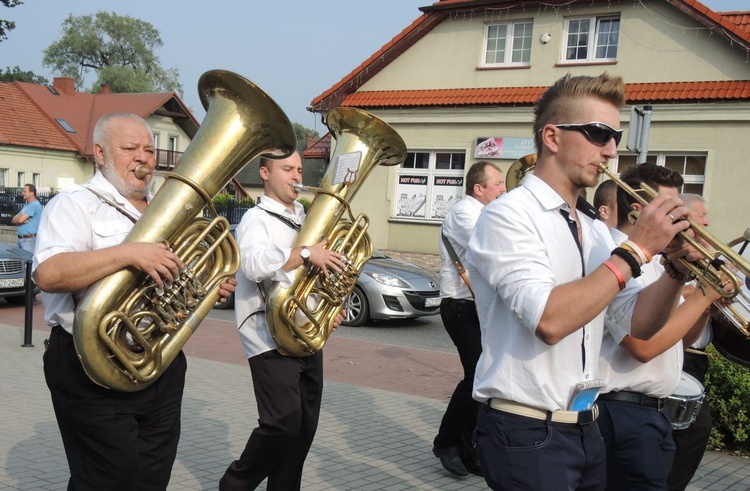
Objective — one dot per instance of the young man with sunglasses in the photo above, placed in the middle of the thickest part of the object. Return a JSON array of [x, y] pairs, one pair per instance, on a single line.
[[545, 278]]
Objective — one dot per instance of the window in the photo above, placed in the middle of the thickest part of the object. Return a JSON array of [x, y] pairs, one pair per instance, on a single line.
[[3, 174], [428, 184], [35, 179], [21, 179], [508, 44], [692, 167], [156, 140], [65, 125], [172, 144], [591, 39]]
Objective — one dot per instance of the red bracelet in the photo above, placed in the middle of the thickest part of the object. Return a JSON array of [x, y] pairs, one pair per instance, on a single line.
[[617, 273]]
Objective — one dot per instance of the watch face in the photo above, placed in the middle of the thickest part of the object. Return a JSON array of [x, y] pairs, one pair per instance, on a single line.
[[305, 253]]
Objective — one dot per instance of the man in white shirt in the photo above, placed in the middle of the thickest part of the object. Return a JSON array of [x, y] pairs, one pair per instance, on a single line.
[[113, 440], [641, 374], [288, 389], [544, 277], [691, 442], [452, 445]]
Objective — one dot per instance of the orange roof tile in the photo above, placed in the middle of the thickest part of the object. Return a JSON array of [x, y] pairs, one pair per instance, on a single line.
[[320, 149], [23, 124], [502, 96], [740, 19], [82, 109], [731, 25]]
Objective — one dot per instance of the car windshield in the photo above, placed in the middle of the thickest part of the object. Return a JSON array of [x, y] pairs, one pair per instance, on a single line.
[[378, 254]]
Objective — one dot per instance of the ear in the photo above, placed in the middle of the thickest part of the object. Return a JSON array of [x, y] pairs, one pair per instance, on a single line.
[[264, 173], [604, 212], [549, 138], [99, 153]]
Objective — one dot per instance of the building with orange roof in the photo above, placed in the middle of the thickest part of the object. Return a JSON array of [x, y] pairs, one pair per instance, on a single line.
[[459, 84], [46, 131]]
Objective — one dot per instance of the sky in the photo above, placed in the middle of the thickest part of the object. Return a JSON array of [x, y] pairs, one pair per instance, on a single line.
[[294, 51]]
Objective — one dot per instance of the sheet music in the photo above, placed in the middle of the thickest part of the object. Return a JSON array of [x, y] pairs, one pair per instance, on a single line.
[[347, 167]]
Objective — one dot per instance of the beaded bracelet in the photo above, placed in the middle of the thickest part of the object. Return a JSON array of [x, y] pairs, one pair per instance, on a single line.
[[617, 273], [639, 251], [676, 275], [635, 268]]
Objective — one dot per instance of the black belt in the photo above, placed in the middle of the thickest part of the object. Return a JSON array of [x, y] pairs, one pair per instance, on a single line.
[[27, 236], [634, 398], [457, 300]]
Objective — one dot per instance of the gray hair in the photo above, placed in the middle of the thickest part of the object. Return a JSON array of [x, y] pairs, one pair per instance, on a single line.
[[691, 198], [103, 126]]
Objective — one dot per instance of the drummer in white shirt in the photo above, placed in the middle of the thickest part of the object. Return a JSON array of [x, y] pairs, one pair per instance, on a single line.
[[640, 374]]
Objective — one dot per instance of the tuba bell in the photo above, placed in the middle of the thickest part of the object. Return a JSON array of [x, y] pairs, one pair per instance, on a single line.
[[126, 330], [518, 170], [300, 317]]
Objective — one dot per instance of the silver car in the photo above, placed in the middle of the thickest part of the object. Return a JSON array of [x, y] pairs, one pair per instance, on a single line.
[[392, 289], [13, 262]]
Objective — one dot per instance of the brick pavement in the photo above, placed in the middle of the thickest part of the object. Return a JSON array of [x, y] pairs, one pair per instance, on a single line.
[[382, 405]]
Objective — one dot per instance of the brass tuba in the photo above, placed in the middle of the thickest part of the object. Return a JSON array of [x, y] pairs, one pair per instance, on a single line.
[[300, 317], [126, 330], [518, 170]]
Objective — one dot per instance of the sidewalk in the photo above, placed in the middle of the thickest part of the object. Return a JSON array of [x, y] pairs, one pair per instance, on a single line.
[[381, 407]]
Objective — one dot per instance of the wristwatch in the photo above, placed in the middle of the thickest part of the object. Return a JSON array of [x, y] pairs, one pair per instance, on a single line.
[[304, 253]]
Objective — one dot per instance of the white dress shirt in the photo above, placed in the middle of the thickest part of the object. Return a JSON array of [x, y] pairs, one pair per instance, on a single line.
[[458, 225], [621, 370], [76, 220], [521, 249], [265, 245]]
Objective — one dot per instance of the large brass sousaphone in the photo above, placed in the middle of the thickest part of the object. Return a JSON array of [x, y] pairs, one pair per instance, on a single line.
[[300, 317], [126, 330]]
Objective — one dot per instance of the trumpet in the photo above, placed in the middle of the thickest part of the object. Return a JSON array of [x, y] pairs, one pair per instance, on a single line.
[[718, 265]]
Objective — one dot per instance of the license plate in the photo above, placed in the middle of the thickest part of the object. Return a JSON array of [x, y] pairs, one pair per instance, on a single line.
[[432, 302], [11, 283]]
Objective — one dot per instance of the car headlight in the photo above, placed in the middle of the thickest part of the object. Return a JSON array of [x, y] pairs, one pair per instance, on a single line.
[[388, 280]]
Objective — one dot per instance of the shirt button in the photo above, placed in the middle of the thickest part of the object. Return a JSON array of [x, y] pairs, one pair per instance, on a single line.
[[587, 377]]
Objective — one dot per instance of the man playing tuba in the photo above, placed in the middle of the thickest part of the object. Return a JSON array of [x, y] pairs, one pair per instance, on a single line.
[[113, 440], [288, 389]]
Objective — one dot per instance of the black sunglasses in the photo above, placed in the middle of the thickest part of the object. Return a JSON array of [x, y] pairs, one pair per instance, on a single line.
[[597, 133]]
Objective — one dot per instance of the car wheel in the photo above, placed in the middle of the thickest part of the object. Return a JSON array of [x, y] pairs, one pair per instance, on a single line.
[[356, 308], [17, 300]]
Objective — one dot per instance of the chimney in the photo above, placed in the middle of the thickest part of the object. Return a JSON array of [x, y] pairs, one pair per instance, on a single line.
[[310, 141], [64, 85], [104, 89]]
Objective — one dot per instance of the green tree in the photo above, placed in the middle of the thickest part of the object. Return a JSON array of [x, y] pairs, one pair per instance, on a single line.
[[302, 132], [120, 49], [8, 25], [15, 74]]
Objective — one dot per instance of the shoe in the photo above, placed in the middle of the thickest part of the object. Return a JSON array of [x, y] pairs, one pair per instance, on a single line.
[[451, 460], [474, 467]]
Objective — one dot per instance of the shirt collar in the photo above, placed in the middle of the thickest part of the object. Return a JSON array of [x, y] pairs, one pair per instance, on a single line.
[[271, 204], [102, 185], [550, 200]]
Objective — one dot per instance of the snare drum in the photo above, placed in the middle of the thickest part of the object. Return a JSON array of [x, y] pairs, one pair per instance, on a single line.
[[683, 405]]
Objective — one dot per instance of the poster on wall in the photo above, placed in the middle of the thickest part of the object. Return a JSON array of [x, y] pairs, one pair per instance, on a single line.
[[446, 191], [411, 196], [503, 148]]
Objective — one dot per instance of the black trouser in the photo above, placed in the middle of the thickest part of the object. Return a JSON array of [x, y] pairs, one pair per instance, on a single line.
[[519, 453], [114, 440], [288, 391], [692, 441], [639, 445], [462, 323]]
